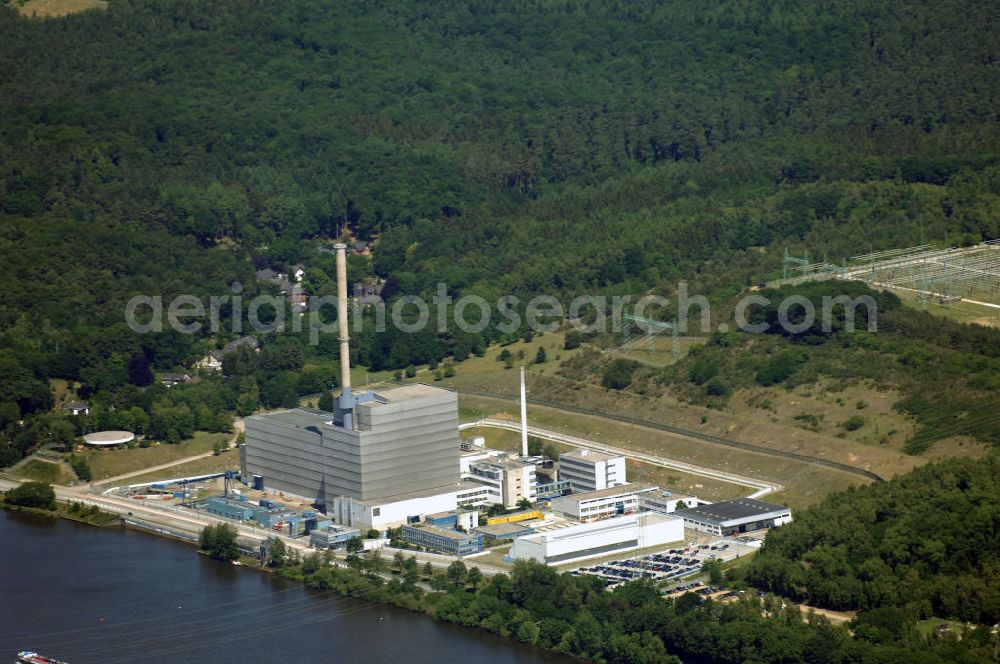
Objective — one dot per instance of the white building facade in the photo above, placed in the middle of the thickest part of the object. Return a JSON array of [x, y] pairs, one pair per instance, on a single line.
[[506, 481], [587, 470], [603, 503], [668, 502], [392, 512], [587, 540]]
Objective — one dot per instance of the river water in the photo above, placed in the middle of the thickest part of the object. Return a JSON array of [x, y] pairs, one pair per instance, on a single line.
[[104, 595]]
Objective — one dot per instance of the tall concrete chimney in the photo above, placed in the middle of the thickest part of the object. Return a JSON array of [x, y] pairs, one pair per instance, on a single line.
[[344, 414], [524, 417], [345, 338]]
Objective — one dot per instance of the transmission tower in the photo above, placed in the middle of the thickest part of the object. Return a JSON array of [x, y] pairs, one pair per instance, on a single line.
[[790, 263], [652, 328]]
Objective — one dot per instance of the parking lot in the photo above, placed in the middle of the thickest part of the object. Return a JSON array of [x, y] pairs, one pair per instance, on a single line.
[[670, 565]]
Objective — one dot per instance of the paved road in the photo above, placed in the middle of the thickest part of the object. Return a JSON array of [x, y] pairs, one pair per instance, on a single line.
[[762, 487], [169, 516]]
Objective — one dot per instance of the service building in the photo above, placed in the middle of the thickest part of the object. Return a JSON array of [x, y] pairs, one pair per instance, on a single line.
[[602, 504], [447, 541], [587, 470], [585, 540], [734, 516]]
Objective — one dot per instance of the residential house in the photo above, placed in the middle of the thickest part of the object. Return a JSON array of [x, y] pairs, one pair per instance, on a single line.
[[213, 361], [76, 407], [171, 379]]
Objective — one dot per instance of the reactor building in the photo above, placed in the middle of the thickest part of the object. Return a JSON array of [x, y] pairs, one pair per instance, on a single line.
[[380, 459]]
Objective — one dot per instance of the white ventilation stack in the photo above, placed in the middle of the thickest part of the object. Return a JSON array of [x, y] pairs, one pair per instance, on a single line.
[[524, 417]]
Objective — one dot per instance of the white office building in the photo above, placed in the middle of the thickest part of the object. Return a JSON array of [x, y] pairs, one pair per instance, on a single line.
[[587, 470], [603, 503], [586, 540], [507, 481]]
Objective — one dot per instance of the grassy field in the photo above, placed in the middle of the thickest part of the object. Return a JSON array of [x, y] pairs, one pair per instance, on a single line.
[[488, 374], [47, 8], [110, 463], [930, 625], [808, 420], [228, 460], [805, 483], [755, 426], [763, 419], [494, 557], [46, 471]]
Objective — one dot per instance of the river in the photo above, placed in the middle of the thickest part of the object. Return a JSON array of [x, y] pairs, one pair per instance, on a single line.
[[105, 595]]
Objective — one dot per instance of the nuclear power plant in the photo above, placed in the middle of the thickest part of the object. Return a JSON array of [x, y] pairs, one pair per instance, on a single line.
[[379, 459], [393, 457]]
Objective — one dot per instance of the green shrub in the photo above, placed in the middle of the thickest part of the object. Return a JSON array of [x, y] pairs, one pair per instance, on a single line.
[[716, 388], [853, 423], [80, 467], [703, 370], [32, 494], [778, 369], [573, 340], [219, 541], [618, 375]]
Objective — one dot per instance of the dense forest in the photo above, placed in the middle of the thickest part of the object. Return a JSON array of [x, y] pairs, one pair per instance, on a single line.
[[926, 543], [167, 147]]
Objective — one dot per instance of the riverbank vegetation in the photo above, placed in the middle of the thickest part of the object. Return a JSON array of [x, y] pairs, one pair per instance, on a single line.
[[40, 498], [219, 541], [32, 494], [576, 616]]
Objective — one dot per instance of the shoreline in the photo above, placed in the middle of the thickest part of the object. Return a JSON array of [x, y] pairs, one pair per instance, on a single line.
[[357, 585], [62, 512]]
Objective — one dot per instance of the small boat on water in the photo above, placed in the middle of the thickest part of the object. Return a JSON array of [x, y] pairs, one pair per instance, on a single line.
[[29, 657]]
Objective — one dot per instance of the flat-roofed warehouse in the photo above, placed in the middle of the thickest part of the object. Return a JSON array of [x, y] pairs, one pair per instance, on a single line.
[[586, 540], [734, 516], [504, 531]]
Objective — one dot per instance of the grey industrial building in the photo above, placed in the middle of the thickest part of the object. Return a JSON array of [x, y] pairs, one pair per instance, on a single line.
[[442, 539], [504, 531], [734, 516], [392, 446]]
